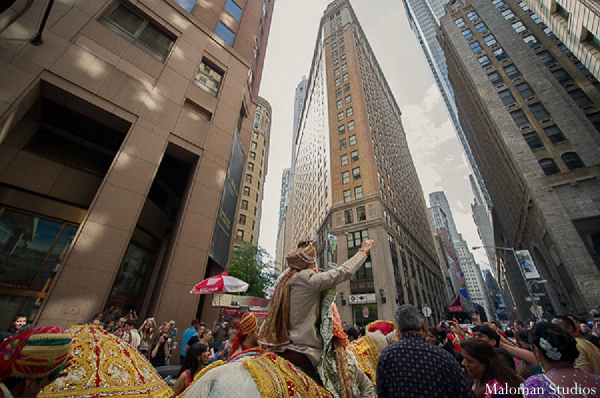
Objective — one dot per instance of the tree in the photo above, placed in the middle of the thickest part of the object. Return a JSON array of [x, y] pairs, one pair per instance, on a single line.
[[248, 264]]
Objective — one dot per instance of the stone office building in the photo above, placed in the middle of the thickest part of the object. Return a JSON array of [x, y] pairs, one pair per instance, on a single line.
[[123, 139]]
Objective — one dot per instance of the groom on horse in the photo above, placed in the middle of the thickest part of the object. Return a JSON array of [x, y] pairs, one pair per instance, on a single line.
[[293, 325]]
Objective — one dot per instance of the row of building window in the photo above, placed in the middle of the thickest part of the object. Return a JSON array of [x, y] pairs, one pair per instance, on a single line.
[[361, 215], [537, 109]]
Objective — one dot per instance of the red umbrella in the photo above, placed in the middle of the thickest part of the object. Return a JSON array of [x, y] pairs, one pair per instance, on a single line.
[[220, 284]]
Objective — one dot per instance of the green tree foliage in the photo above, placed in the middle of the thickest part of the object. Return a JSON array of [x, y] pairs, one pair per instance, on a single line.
[[248, 264]]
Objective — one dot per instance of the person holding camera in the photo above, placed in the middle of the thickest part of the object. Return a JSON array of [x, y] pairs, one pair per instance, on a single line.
[[160, 351]]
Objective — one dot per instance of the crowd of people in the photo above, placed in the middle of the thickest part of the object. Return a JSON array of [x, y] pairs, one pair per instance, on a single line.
[[557, 359], [546, 360]]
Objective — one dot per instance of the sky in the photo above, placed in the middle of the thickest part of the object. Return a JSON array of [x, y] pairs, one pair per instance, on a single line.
[[432, 141]]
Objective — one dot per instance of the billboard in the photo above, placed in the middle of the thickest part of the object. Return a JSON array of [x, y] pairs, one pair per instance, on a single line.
[[526, 264], [219, 249]]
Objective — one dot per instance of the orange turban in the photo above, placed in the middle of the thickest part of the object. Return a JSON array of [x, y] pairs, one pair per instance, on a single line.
[[34, 353], [302, 256], [246, 325]]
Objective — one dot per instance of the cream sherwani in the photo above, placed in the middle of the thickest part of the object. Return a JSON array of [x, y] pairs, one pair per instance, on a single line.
[[305, 306]]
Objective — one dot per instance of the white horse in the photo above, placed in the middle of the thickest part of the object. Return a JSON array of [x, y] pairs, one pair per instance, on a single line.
[[233, 380]]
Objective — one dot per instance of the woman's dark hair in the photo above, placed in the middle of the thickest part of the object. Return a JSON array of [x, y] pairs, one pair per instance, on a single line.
[[438, 335], [523, 335], [191, 359], [495, 368], [558, 338]]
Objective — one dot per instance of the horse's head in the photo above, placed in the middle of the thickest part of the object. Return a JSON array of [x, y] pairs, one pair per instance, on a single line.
[[387, 328]]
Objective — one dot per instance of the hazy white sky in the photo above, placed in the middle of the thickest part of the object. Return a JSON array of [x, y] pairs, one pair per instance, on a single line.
[[432, 141]]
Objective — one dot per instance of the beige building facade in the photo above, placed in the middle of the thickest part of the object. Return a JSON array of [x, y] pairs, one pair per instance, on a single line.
[[123, 140], [531, 112], [354, 179], [577, 24], [247, 227]]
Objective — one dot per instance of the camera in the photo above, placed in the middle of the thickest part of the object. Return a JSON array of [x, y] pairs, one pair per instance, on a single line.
[[445, 325]]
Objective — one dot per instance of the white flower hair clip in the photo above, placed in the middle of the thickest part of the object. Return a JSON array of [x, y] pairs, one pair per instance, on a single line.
[[551, 352]]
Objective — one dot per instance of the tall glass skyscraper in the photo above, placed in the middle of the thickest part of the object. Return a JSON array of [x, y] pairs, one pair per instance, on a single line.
[[424, 16]]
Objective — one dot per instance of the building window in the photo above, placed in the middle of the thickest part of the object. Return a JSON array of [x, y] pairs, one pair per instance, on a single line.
[[336, 72], [345, 177], [361, 214], [141, 31], [348, 99], [506, 96], [483, 61], [549, 166], [254, 145], [250, 166], [248, 178], [555, 134], [343, 57], [252, 155], [495, 78], [580, 98], [347, 87], [344, 160], [356, 173], [342, 129], [338, 81], [334, 46], [533, 140], [345, 77], [460, 23], [239, 235], [539, 111], [472, 15], [338, 92], [475, 47], [489, 40], [247, 191], [358, 193], [225, 33], [512, 71], [499, 54], [354, 156], [525, 90], [348, 216], [208, 78], [519, 117], [235, 10], [480, 27], [572, 160], [467, 34], [339, 104], [344, 67], [242, 219], [254, 133], [347, 196], [562, 76], [352, 140], [546, 58], [349, 112], [351, 125], [336, 62], [592, 40], [244, 204], [340, 116], [562, 12], [342, 144]]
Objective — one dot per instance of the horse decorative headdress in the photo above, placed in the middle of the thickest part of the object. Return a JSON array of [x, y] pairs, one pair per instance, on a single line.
[[274, 331], [246, 325], [35, 353]]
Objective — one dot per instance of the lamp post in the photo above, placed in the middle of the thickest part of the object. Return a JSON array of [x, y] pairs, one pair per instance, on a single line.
[[533, 308]]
